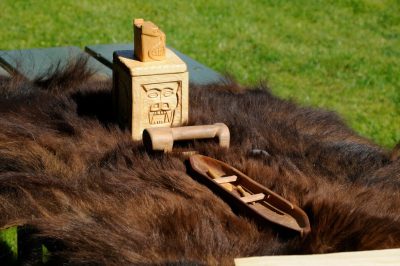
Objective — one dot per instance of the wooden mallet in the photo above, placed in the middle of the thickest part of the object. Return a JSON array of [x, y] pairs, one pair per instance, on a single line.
[[162, 138]]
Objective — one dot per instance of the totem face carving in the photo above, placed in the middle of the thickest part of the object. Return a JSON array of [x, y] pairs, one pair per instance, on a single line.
[[161, 102], [150, 94]]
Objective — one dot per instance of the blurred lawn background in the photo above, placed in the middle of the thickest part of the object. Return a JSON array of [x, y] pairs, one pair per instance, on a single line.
[[340, 55]]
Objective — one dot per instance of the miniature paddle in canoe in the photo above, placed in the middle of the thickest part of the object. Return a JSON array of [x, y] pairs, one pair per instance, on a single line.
[[243, 192]]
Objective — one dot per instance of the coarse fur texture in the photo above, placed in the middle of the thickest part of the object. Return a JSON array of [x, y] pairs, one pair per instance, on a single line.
[[69, 172]]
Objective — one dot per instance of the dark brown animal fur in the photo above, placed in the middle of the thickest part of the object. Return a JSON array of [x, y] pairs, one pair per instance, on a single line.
[[68, 171]]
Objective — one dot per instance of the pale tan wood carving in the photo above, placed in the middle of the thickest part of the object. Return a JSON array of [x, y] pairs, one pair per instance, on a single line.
[[358, 258], [149, 41], [153, 94], [149, 93], [225, 179], [162, 139], [216, 176], [253, 198], [257, 201], [242, 192]]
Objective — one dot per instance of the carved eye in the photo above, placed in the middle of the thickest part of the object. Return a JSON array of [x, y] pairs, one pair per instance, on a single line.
[[167, 92], [152, 94]]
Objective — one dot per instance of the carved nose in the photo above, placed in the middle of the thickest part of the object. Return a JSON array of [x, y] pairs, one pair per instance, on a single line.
[[155, 107], [165, 106]]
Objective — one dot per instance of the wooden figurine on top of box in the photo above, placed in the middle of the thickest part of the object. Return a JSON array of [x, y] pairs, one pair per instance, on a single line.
[[149, 41], [151, 83]]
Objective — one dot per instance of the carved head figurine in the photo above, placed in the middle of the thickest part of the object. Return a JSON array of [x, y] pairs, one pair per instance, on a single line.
[[160, 102], [149, 41]]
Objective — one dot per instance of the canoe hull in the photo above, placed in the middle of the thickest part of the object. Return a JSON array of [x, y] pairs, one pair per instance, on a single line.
[[273, 210]]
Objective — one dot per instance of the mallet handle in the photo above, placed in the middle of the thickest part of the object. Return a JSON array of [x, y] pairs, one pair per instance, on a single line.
[[163, 138], [195, 132]]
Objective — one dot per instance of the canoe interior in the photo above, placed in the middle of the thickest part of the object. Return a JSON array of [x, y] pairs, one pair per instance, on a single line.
[[272, 207]]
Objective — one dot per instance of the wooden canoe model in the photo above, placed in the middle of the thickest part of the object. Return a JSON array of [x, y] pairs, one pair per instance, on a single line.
[[245, 193]]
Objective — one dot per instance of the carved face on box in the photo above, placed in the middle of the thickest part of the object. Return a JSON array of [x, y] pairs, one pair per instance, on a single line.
[[150, 94], [161, 102]]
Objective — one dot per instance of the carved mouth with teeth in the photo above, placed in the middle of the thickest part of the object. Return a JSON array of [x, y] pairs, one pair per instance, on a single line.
[[161, 117]]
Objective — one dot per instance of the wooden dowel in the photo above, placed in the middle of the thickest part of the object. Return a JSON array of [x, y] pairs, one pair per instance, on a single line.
[[228, 186], [226, 179], [253, 198], [242, 192], [213, 174], [162, 138]]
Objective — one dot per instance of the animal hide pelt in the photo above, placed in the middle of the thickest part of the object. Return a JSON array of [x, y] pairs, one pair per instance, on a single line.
[[70, 173]]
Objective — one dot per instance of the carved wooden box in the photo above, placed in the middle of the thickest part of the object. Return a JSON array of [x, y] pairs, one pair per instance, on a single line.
[[150, 94]]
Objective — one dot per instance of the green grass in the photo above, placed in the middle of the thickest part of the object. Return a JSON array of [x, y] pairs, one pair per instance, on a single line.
[[8, 245], [340, 55]]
